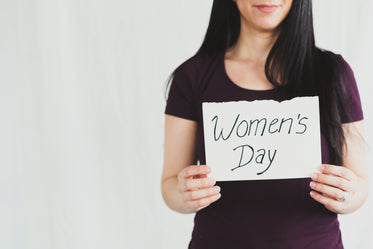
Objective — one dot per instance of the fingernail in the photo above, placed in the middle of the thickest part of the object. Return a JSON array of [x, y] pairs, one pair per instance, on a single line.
[[212, 181], [312, 193], [217, 189], [315, 176], [312, 184], [322, 167]]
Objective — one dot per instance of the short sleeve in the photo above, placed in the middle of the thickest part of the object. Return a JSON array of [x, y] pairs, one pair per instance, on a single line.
[[181, 97], [354, 110]]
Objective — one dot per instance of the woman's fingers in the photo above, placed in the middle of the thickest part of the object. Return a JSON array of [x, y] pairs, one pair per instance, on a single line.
[[330, 203], [197, 189], [332, 180], [334, 187], [328, 190], [195, 177], [338, 171], [203, 202], [194, 170], [193, 184], [201, 193]]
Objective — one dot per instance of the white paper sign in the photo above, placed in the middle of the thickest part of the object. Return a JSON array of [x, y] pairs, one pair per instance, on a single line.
[[262, 139]]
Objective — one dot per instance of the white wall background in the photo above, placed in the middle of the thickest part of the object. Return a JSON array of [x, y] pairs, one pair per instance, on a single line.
[[81, 128]]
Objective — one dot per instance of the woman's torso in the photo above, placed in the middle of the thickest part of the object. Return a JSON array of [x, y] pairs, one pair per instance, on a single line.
[[256, 214]]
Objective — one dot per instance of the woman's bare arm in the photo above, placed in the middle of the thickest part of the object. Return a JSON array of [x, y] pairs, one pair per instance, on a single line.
[[185, 186]]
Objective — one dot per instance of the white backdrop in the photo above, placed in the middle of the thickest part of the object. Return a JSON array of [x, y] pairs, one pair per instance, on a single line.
[[82, 117]]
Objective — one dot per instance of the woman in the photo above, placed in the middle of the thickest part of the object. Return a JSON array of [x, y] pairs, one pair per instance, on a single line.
[[256, 50]]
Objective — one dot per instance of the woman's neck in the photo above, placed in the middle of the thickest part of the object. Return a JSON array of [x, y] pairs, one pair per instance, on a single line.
[[253, 45]]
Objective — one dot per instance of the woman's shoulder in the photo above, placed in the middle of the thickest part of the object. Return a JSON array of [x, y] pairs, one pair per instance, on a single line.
[[334, 60], [334, 67], [196, 63], [189, 72], [342, 78], [185, 87]]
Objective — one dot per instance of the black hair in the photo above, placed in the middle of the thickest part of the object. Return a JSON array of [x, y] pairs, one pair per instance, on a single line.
[[295, 66]]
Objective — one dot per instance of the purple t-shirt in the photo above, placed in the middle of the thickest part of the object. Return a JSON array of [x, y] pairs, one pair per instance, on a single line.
[[260, 214]]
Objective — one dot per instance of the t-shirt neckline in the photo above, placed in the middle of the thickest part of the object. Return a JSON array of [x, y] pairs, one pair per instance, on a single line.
[[233, 84]]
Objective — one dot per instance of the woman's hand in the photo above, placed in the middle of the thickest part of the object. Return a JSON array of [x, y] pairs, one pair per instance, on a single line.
[[197, 190], [340, 188], [185, 186], [344, 189]]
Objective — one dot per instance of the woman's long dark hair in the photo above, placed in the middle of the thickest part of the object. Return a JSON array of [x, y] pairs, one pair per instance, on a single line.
[[294, 65]]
